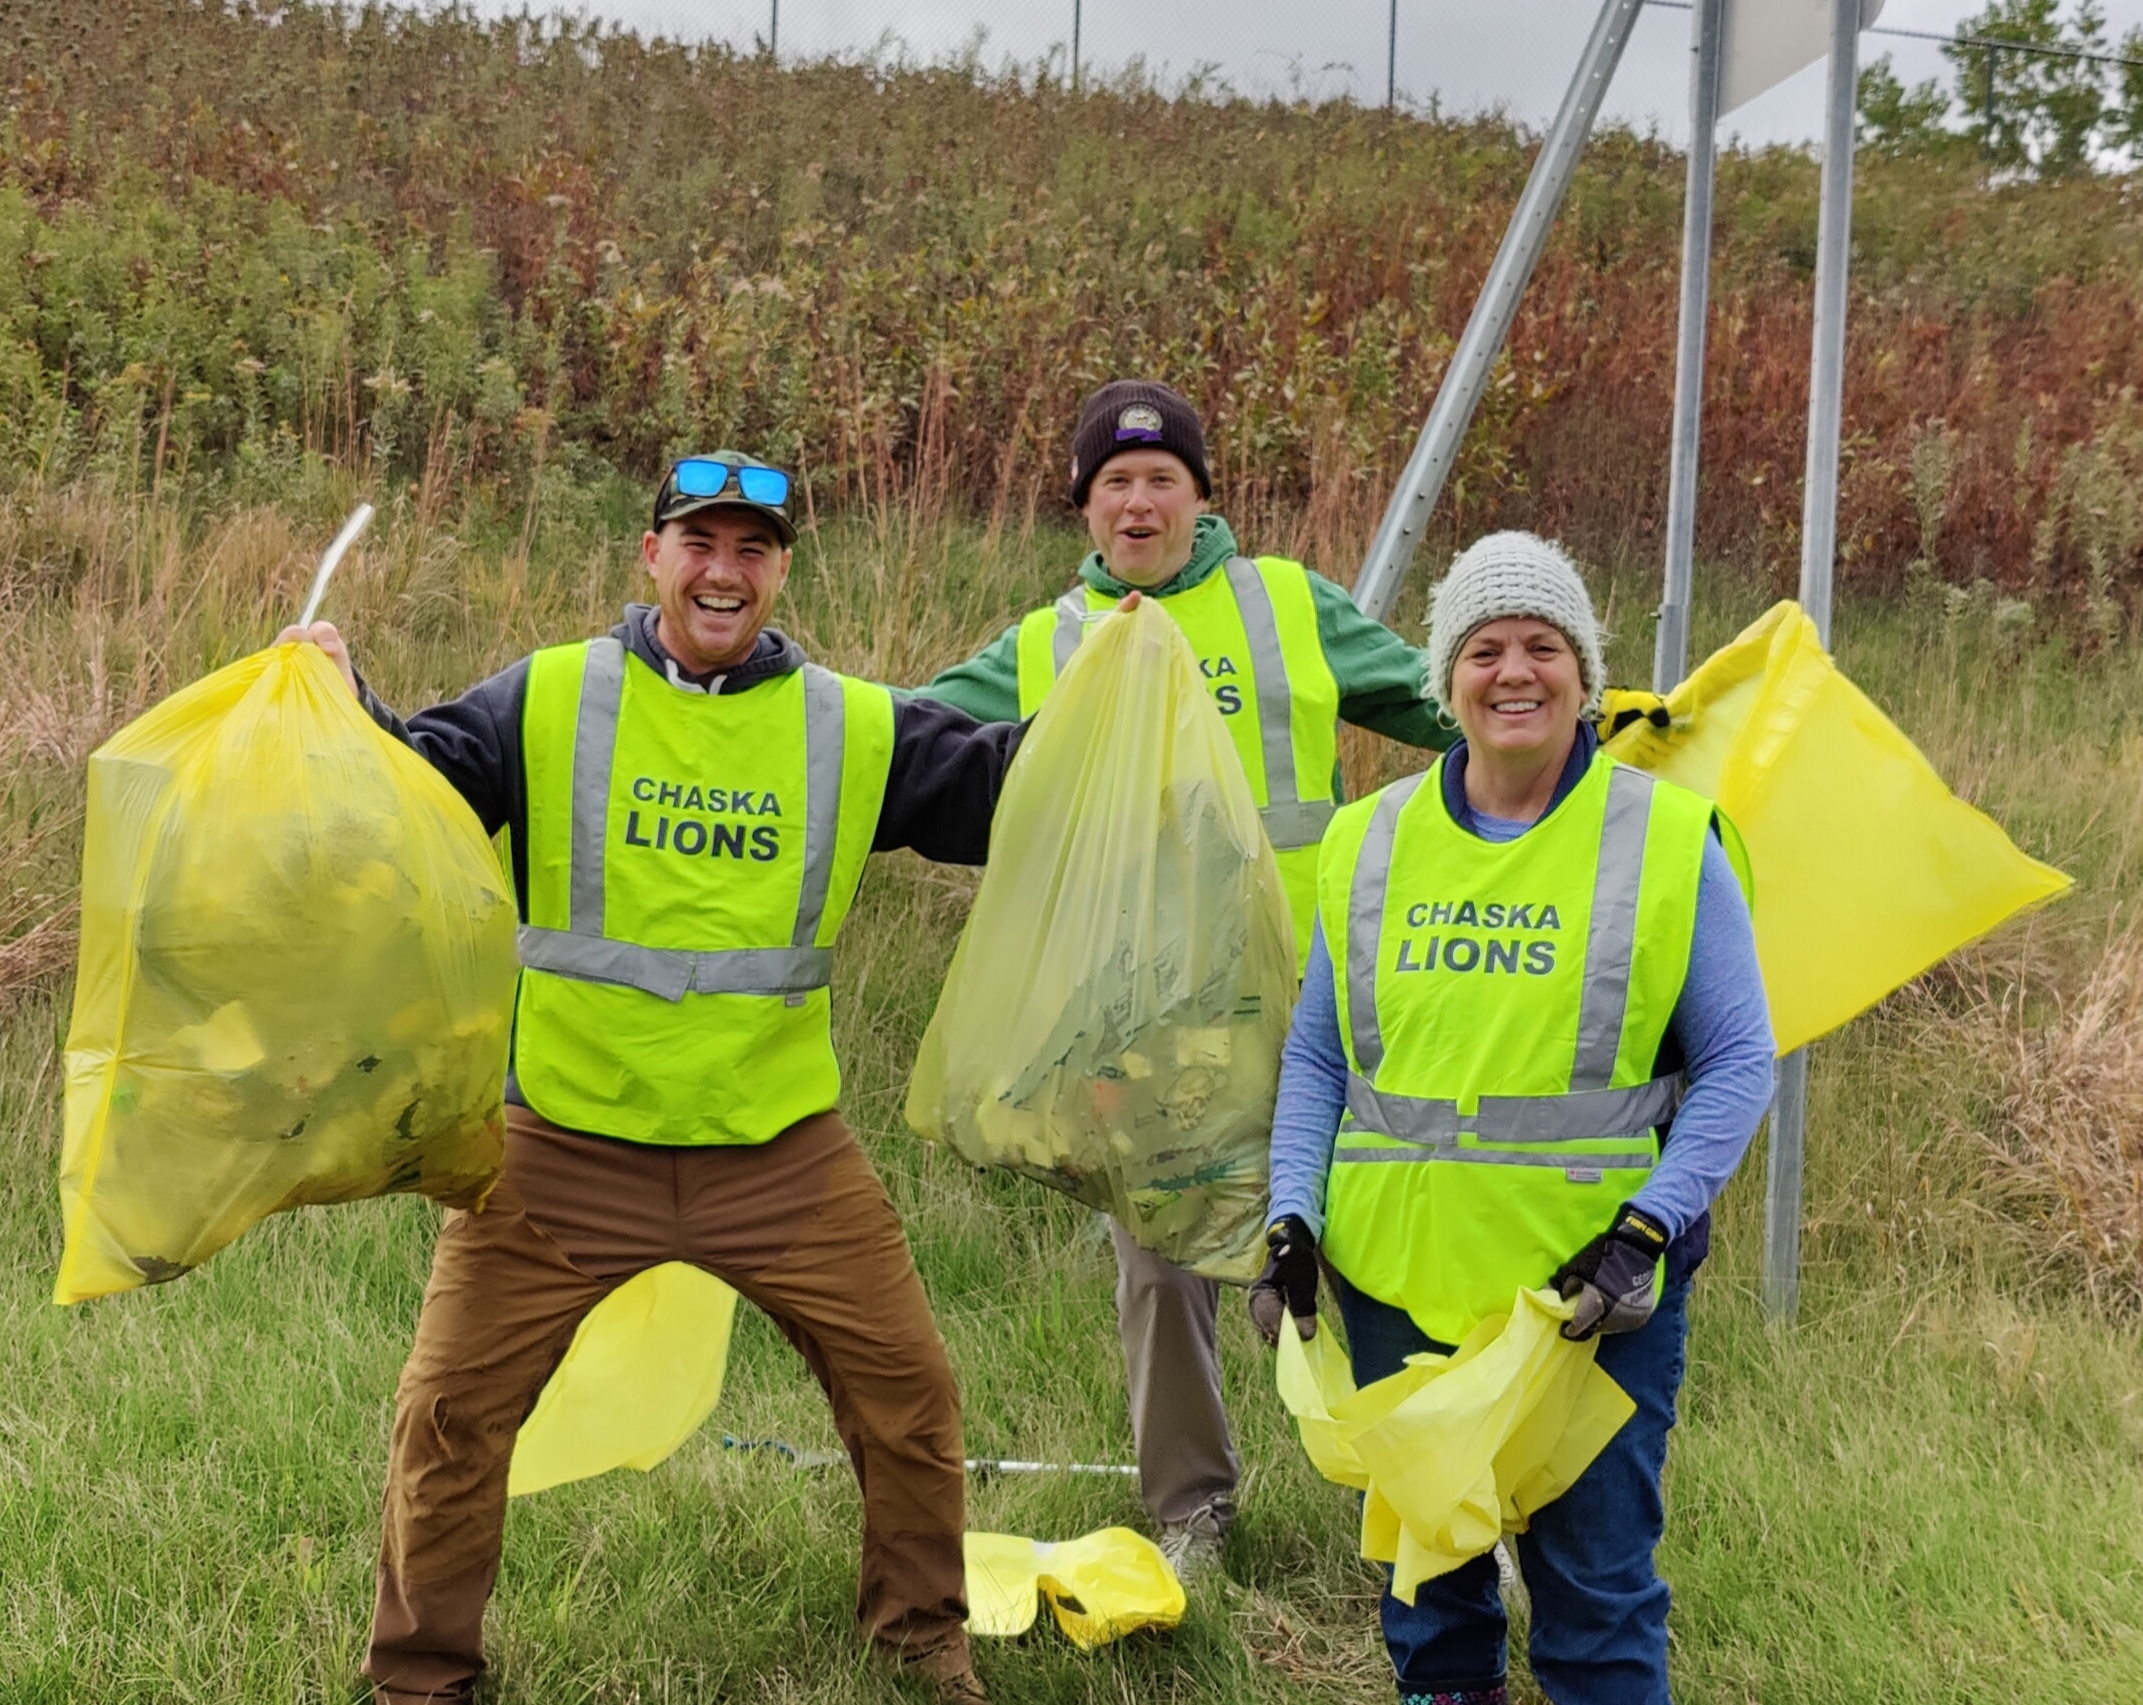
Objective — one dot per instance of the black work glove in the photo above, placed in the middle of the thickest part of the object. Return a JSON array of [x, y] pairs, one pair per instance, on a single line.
[[1289, 1283], [1612, 1276], [1621, 706]]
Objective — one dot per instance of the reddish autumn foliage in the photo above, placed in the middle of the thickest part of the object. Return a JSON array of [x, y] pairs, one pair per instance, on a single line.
[[455, 245]]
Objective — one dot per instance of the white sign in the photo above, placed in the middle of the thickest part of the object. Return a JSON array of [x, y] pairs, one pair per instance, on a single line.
[[1764, 42]]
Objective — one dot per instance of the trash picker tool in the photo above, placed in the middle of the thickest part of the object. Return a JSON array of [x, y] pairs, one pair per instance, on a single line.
[[359, 518], [1007, 1465], [798, 1457]]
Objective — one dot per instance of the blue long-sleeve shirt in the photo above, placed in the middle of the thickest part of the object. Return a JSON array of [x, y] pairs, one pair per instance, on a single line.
[[1721, 1027]]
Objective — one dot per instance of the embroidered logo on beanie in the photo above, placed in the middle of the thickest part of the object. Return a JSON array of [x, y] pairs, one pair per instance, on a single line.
[[1140, 422]]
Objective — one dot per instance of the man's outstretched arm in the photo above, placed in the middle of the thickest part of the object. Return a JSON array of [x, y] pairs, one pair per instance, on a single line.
[[986, 686], [941, 792]]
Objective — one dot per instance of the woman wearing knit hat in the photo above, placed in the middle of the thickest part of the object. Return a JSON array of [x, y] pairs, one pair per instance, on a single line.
[[1528, 963], [1288, 658]]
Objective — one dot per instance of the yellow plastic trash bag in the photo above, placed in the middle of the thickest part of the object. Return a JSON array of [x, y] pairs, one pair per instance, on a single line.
[[1099, 1588], [1112, 1021], [296, 976], [1867, 868], [1454, 1451], [643, 1371]]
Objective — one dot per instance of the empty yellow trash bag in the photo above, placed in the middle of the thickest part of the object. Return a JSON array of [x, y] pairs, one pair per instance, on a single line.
[[1867, 869], [1099, 1588], [1454, 1451], [644, 1369], [1112, 1021], [296, 976]]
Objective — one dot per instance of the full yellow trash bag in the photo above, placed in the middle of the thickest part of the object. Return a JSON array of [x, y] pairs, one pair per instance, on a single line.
[[1099, 1588], [296, 976], [1112, 1021], [1867, 868], [643, 1371], [1454, 1451]]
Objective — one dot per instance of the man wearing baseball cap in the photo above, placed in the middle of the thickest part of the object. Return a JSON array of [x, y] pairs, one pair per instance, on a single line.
[[690, 802], [1287, 658]]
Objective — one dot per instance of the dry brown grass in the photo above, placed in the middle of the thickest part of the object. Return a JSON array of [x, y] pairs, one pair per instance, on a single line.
[[37, 957], [2065, 1137]]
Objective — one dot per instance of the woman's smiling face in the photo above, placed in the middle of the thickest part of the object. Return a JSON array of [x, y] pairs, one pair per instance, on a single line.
[[1517, 687]]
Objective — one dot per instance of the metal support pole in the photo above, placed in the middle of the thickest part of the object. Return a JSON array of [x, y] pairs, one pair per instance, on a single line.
[[1826, 382], [1819, 538], [1399, 535], [1391, 62], [1670, 645], [773, 29], [1076, 6]]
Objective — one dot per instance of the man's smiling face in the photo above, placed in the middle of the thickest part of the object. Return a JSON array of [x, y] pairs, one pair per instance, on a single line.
[[717, 574], [1142, 511]]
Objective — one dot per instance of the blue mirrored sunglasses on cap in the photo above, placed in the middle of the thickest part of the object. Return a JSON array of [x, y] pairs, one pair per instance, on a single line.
[[703, 476]]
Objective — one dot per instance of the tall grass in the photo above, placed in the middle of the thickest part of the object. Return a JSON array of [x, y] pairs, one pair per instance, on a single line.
[[465, 252], [1927, 1492]]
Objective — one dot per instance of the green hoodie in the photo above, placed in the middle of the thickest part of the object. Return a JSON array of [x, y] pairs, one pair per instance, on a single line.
[[1382, 680]]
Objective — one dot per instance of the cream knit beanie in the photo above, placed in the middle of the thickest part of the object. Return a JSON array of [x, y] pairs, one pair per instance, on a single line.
[[1512, 574]]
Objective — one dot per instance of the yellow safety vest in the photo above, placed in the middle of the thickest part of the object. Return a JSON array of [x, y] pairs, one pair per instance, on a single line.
[[690, 860], [1253, 626], [1502, 1007]]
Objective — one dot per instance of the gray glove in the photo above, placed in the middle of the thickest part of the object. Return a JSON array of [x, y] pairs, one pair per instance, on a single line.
[[1612, 1277]]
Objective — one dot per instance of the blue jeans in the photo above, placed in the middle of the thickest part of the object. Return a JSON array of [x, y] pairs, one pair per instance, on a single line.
[[1599, 1628]]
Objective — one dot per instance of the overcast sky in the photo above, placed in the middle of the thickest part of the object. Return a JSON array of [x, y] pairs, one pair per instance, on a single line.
[[1469, 53]]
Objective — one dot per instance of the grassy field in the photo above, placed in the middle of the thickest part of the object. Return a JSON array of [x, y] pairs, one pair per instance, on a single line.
[[1930, 1489]]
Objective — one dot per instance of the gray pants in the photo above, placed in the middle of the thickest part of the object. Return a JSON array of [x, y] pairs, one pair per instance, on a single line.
[[1169, 1322]]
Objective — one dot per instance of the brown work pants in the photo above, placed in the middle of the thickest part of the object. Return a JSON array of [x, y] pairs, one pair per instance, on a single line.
[[801, 1226]]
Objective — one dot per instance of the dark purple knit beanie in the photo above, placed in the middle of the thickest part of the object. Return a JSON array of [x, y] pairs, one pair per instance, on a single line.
[[1136, 414]]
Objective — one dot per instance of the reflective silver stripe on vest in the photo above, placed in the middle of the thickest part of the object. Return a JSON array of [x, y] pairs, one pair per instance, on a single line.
[[1301, 824], [825, 731], [1071, 622], [584, 952], [673, 973], [1567, 1160], [1611, 939], [595, 737], [1276, 709], [1365, 922], [1581, 1114]]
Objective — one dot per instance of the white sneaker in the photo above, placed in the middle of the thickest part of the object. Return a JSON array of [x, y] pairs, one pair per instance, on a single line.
[[1194, 1545]]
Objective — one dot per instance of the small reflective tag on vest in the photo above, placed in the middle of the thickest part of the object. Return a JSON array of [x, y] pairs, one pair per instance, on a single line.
[[798, 1000], [1583, 1174]]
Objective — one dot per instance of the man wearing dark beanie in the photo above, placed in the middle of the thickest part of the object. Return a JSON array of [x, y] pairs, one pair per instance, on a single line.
[[1287, 658]]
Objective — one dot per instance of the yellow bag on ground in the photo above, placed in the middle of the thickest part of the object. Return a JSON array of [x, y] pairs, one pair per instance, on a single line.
[[1099, 1588], [1454, 1451], [296, 976], [643, 1371], [1867, 869], [1112, 1021]]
